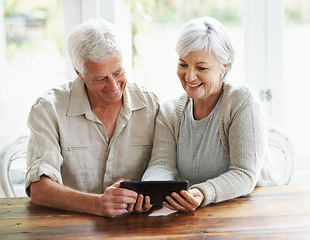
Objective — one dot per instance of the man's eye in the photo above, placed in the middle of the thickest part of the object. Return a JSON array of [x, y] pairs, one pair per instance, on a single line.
[[117, 74], [99, 80]]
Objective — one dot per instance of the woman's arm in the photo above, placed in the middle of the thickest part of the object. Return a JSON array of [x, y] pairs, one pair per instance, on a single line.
[[246, 132], [162, 165]]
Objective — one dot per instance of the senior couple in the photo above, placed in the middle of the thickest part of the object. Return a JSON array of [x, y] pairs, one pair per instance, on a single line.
[[94, 132]]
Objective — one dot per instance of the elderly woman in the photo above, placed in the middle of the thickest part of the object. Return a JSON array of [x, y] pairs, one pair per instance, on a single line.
[[214, 136], [87, 134]]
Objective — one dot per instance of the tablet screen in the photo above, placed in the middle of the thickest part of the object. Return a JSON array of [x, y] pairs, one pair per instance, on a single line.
[[156, 190]]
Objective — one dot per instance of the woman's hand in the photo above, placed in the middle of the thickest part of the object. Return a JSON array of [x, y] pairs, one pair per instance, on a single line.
[[140, 205], [188, 201]]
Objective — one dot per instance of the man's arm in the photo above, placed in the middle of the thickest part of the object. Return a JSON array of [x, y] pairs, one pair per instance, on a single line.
[[112, 202]]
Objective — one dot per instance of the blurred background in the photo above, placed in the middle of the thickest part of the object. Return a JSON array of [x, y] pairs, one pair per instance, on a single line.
[[33, 58]]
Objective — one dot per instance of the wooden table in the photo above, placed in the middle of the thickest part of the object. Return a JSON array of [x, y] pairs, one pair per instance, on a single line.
[[270, 212]]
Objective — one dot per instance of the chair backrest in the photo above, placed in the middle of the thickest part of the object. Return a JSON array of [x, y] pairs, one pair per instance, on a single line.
[[11, 150], [282, 153]]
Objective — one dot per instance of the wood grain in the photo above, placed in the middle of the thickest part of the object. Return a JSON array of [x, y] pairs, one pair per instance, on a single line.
[[269, 212]]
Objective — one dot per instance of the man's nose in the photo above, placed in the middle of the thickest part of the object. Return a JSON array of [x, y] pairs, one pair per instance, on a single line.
[[112, 83]]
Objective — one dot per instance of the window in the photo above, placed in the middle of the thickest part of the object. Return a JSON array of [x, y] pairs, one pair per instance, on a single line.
[[296, 50], [36, 62], [34, 59], [155, 62]]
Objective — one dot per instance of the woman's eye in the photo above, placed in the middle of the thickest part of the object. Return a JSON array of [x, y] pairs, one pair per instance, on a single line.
[[201, 68], [183, 65]]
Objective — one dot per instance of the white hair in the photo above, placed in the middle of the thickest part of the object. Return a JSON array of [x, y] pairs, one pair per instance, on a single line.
[[209, 34], [93, 40]]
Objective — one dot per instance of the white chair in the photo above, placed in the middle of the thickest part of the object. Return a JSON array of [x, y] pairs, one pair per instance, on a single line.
[[282, 154], [12, 150]]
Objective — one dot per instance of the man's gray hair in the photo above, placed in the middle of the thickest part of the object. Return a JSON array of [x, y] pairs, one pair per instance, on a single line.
[[209, 34], [93, 40]]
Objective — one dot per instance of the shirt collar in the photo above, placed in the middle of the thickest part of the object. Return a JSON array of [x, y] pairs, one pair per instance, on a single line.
[[131, 100], [79, 102]]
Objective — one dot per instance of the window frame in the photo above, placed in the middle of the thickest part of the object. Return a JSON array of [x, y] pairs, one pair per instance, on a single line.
[[263, 21]]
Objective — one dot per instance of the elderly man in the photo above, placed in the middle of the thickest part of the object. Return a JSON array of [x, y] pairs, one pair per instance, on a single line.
[[89, 133]]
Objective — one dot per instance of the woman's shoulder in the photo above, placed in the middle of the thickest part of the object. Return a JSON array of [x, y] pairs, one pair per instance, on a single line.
[[238, 94], [174, 105], [171, 111]]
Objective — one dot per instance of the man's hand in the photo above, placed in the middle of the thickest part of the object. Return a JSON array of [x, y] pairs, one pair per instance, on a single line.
[[115, 200], [140, 205], [188, 201]]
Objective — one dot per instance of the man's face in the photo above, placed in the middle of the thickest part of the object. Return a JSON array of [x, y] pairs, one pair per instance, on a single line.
[[105, 81]]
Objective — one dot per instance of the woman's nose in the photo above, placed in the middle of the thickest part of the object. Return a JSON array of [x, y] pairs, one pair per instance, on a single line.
[[190, 75]]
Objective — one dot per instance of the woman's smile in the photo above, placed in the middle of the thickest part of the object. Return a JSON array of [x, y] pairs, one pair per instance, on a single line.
[[194, 86]]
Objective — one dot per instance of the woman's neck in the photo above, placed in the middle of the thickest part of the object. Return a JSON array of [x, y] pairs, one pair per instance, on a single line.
[[202, 108]]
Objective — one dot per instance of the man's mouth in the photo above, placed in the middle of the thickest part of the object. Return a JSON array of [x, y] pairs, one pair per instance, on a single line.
[[112, 93]]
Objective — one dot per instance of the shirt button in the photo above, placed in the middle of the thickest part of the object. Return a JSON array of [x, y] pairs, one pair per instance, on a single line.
[[39, 156]]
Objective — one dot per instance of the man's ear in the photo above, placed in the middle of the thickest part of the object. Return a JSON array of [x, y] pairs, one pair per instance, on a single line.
[[79, 74]]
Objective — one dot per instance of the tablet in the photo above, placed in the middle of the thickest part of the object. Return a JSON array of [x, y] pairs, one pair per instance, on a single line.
[[156, 190]]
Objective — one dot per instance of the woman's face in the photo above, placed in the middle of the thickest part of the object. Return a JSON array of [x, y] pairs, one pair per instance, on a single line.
[[200, 74]]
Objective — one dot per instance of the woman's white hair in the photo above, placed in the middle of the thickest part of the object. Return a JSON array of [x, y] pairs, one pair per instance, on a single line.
[[209, 34], [93, 40]]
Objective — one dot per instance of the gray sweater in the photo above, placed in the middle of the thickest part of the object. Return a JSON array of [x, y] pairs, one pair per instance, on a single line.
[[243, 131]]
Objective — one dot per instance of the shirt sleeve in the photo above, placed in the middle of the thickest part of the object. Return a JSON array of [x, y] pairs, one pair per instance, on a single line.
[[44, 152]]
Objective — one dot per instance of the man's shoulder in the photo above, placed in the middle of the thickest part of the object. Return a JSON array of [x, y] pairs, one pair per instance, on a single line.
[[143, 93], [55, 95]]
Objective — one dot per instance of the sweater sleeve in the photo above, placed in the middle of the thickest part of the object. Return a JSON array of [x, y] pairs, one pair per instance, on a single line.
[[162, 165], [244, 135]]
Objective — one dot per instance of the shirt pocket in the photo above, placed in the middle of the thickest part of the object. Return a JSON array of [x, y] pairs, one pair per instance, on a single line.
[[78, 167], [77, 156]]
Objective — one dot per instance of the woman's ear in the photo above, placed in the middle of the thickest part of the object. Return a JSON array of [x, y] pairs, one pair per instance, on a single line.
[[224, 70]]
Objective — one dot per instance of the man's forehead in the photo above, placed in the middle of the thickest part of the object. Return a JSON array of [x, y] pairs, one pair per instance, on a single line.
[[108, 65]]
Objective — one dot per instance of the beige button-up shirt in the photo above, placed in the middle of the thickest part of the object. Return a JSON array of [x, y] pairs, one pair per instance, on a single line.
[[69, 144]]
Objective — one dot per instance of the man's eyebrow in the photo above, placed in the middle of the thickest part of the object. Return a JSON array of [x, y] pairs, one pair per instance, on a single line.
[[117, 71]]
